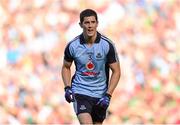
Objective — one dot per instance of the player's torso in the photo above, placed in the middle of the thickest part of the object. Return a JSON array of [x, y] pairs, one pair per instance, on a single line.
[[90, 61], [90, 77]]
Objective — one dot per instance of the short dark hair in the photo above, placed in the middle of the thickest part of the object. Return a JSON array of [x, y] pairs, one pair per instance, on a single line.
[[86, 13]]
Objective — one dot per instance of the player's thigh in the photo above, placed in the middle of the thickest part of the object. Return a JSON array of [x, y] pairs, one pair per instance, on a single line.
[[98, 114], [85, 118], [83, 107]]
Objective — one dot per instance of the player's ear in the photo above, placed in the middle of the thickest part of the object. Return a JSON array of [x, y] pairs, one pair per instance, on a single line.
[[80, 24]]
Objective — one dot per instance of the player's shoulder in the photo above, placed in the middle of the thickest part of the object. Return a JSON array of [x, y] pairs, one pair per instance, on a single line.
[[74, 41], [107, 40]]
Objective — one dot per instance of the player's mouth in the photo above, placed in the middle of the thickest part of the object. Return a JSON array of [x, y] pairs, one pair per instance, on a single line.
[[90, 30]]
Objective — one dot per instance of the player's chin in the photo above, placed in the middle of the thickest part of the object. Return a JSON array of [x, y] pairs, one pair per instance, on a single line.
[[90, 34]]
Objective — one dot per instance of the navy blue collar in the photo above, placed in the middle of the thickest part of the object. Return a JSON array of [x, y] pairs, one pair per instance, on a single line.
[[82, 40]]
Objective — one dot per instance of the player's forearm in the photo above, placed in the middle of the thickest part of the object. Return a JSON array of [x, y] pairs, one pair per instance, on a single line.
[[66, 76], [113, 82]]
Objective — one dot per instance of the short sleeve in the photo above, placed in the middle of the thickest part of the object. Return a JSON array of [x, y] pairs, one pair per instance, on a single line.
[[112, 54], [67, 54]]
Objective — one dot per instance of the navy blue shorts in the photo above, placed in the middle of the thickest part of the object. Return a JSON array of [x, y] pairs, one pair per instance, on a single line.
[[87, 104]]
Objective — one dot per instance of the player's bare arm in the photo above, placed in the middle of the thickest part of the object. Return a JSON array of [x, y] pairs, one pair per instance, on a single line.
[[116, 73], [66, 73]]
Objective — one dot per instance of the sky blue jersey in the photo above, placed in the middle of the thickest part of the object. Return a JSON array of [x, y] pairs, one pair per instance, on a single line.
[[92, 64]]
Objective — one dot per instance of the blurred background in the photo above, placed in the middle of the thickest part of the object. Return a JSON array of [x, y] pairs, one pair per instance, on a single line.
[[34, 33]]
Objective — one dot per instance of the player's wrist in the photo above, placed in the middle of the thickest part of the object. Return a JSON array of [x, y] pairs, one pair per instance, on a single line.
[[108, 95], [67, 87]]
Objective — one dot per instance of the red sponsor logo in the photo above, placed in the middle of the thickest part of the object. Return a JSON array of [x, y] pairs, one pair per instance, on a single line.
[[90, 65], [90, 73]]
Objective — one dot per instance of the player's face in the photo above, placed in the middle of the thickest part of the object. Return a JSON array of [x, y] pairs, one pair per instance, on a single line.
[[89, 26]]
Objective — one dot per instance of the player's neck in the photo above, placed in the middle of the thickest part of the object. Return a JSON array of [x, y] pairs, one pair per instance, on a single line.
[[90, 39]]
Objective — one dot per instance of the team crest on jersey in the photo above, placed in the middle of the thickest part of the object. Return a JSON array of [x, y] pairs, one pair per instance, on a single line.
[[99, 55], [90, 65]]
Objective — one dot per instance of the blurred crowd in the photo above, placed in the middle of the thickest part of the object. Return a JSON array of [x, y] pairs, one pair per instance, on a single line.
[[33, 35]]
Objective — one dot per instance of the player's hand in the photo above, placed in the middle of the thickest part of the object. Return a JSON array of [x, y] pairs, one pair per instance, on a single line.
[[104, 101], [69, 95]]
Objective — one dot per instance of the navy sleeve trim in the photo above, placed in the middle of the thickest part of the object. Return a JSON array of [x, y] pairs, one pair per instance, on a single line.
[[67, 55], [112, 54]]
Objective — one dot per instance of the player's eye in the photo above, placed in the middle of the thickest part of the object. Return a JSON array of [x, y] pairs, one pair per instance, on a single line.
[[86, 22]]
